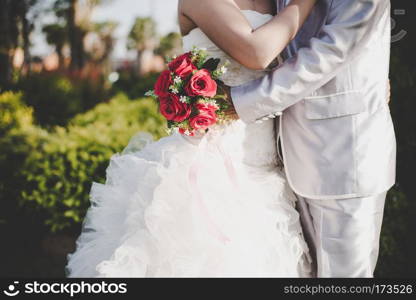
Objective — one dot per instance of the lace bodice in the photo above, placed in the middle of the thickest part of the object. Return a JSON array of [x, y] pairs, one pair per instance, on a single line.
[[237, 74], [255, 143]]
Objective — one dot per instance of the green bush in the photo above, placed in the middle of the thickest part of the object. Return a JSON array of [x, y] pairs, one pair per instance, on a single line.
[[395, 245], [18, 138], [59, 174], [133, 85], [14, 114], [56, 98], [397, 257]]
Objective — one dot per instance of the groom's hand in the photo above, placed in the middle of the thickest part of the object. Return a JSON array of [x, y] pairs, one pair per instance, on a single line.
[[230, 112]]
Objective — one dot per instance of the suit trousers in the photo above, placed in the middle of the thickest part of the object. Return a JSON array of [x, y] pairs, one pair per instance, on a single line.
[[343, 235]]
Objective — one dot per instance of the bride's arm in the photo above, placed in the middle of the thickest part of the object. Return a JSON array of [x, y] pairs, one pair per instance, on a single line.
[[223, 22]]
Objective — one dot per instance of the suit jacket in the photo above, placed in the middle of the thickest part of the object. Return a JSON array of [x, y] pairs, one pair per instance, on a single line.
[[335, 126]]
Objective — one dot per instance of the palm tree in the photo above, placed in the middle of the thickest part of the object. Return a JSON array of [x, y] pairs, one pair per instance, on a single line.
[[105, 33], [76, 36], [100, 44], [6, 43], [15, 29], [56, 36], [27, 11], [170, 45], [77, 15], [142, 38]]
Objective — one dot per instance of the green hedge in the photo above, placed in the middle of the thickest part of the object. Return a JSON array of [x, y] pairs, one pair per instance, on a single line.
[[395, 245], [14, 114], [18, 139], [135, 86], [57, 98], [55, 169]]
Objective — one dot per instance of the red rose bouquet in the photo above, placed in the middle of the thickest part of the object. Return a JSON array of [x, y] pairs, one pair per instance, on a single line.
[[188, 93]]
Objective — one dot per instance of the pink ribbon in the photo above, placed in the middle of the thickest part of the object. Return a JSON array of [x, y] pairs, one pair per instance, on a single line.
[[229, 166], [193, 180]]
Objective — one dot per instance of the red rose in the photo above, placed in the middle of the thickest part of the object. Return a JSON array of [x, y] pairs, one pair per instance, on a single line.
[[182, 65], [163, 83], [201, 84], [172, 109], [205, 118]]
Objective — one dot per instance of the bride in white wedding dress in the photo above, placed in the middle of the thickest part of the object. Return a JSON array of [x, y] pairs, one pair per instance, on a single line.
[[210, 206]]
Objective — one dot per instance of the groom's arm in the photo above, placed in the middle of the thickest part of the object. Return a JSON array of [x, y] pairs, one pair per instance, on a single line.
[[346, 32]]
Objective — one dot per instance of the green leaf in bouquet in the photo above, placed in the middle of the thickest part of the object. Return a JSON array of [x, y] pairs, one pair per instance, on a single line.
[[185, 99], [199, 57], [211, 64], [220, 70], [170, 124]]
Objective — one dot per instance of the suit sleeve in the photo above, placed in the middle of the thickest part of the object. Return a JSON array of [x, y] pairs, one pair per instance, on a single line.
[[348, 28]]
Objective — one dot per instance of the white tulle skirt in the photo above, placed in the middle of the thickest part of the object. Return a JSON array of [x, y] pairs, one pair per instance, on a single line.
[[177, 208]]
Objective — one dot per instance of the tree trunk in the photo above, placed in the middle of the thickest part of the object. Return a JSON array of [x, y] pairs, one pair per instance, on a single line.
[[76, 38], [61, 59], [5, 44], [139, 63], [26, 29]]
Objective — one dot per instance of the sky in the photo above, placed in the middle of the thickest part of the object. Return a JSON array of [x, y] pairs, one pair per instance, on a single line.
[[124, 13]]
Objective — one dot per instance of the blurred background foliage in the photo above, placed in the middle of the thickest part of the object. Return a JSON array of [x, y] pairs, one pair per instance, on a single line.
[[56, 98], [63, 117]]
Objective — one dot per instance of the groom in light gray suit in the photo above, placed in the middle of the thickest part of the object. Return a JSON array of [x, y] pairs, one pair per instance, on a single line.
[[336, 131]]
